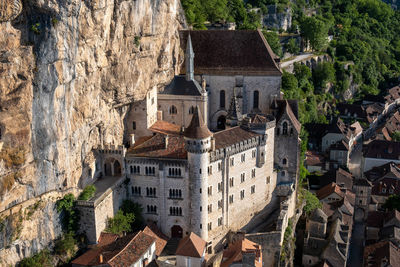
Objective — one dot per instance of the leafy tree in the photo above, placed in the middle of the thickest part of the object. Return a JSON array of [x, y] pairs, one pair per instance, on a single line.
[[134, 208], [392, 203], [66, 247], [120, 223], [273, 41], [290, 86], [323, 73], [396, 136], [312, 202], [315, 31], [69, 213], [87, 193], [292, 47]]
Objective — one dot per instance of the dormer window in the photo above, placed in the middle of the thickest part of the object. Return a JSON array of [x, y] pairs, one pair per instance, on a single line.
[[285, 128]]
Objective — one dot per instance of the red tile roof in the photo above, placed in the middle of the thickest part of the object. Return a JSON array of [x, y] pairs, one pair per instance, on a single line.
[[155, 147], [161, 239], [124, 251], [232, 136], [234, 252], [328, 190], [191, 245], [393, 94], [165, 128], [197, 129], [231, 52], [314, 159]]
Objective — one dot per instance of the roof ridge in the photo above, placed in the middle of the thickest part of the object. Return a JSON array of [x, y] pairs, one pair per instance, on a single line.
[[125, 246]]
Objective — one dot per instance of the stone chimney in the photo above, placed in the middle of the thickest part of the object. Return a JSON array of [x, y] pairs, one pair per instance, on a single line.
[[166, 141], [101, 258]]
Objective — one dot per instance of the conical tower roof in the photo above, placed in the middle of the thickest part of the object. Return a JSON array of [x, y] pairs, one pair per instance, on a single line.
[[197, 128]]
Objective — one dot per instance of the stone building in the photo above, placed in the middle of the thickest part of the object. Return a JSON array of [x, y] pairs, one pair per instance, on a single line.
[[202, 152]]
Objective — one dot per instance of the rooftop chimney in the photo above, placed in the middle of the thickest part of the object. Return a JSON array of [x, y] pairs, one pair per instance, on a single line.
[[101, 258]]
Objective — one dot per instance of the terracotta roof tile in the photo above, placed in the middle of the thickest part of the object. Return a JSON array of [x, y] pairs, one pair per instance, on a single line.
[[232, 136], [329, 189], [155, 147], [393, 94], [165, 127], [197, 129], [191, 245], [234, 252], [161, 239], [231, 52]]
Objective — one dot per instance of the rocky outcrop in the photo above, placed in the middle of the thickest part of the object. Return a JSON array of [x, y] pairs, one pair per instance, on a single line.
[[278, 18], [68, 72]]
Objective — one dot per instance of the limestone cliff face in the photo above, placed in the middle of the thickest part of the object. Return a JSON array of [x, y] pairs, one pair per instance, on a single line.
[[68, 71]]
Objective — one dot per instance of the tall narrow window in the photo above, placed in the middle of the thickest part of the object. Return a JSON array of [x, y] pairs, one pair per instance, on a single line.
[[173, 110], [134, 125], [284, 128], [255, 99], [222, 99]]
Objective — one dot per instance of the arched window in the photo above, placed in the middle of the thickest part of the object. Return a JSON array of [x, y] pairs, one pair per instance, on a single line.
[[284, 161], [191, 110], [173, 110], [256, 96], [222, 99], [285, 128]]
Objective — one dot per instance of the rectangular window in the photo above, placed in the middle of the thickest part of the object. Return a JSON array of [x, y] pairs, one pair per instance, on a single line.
[[253, 173], [243, 157], [219, 166], [220, 187], [253, 153], [242, 177], [134, 125], [209, 208], [230, 199], [209, 170], [268, 180], [232, 161], [220, 204], [231, 182], [210, 190], [242, 194], [220, 221], [253, 189], [209, 226]]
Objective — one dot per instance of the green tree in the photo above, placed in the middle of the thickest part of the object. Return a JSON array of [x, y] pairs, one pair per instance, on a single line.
[[292, 47], [290, 86], [42, 259], [69, 213], [129, 206], [315, 31], [273, 41], [120, 223], [66, 247], [323, 73], [312, 202], [396, 136], [392, 203], [87, 193]]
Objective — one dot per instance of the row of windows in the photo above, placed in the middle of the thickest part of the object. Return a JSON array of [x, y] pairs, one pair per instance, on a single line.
[[148, 170], [175, 211], [175, 193], [222, 99], [176, 172], [173, 110], [150, 191], [152, 209], [284, 129]]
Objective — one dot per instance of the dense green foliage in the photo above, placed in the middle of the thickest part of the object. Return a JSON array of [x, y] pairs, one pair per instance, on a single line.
[[312, 202], [87, 193], [120, 223], [129, 206], [69, 213], [273, 41], [396, 136], [392, 203], [65, 247], [42, 259], [292, 47]]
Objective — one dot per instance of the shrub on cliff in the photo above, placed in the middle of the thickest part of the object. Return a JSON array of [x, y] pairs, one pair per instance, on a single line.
[[87, 193], [42, 259], [69, 213], [129, 206]]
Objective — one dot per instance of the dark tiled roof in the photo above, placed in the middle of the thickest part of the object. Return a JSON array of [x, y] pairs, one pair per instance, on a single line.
[[191, 245], [319, 216], [393, 94], [375, 219], [180, 86], [344, 109], [155, 147], [376, 173], [123, 251], [232, 136], [197, 128], [133, 251], [165, 127], [382, 254], [231, 52], [373, 111], [161, 239], [382, 149], [340, 177]]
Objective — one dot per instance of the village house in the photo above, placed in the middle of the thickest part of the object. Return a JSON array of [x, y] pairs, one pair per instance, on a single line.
[[191, 251], [380, 152]]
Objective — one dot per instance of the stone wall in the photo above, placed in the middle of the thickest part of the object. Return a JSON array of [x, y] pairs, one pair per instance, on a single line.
[[68, 71]]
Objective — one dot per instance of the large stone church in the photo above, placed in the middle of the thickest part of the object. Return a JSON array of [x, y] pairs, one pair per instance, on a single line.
[[214, 148]]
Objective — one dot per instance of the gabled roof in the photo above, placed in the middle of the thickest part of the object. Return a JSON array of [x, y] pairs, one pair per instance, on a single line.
[[123, 251], [165, 127], [383, 253], [319, 216], [378, 172], [393, 94], [161, 239], [234, 252], [286, 107], [197, 128], [231, 53], [180, 86], [328, 190], [192, 246], [382, 149]]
